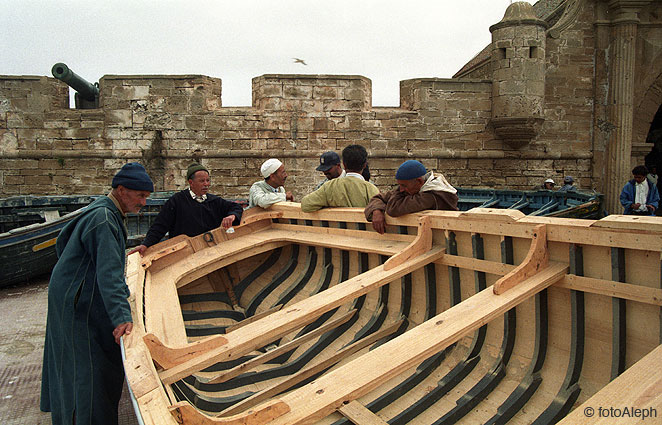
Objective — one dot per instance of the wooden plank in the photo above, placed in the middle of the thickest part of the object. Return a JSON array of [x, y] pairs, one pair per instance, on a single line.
[[252, 319], [264, 331], [256, 214], [487, 266], [311, 369], [362, 375], [167, 256], [186, 414], [536, 259], [628, 291], [359, 414], [272, 354], [421, 244], [639, 387]]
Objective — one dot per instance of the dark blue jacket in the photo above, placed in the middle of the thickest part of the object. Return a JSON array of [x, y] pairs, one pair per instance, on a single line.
[[628, 192]]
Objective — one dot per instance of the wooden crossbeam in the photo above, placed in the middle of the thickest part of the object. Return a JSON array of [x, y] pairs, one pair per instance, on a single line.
[[362, 375], [262, 332], [272, 354], [311, 369], [359, 414]]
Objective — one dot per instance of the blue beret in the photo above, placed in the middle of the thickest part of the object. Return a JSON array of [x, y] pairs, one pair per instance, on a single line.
[[133, 176], [410, 169]]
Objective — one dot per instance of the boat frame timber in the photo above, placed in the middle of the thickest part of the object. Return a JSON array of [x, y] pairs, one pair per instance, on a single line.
[[162, 354]]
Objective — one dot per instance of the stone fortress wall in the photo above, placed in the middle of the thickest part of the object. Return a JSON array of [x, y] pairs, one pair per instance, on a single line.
[[529, 111]]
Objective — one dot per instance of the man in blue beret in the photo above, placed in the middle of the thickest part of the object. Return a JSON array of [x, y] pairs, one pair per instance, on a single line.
[[88, 311], [418, 190], [192, 211]]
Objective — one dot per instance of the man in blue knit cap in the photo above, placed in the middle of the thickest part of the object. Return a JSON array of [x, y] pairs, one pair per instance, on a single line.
[[418, 190], [88, 311]]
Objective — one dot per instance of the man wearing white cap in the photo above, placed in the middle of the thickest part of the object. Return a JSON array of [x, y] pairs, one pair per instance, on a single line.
[[267, 192], [548, 184]]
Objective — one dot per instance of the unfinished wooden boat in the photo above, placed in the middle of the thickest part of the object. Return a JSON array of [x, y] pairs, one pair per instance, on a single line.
[[486, 316]]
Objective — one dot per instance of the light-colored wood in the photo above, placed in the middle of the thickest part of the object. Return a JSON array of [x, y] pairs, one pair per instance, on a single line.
[[264, 331], [639, 387], [186, 414], [421, 244], [157, 260], [491, 267], [272, 354], [360, 376], [611, 288], [359, 414], [167, 357], [629, 222], [255, 214], [252, 319], [310, 370], [335, 231], [536, 260]]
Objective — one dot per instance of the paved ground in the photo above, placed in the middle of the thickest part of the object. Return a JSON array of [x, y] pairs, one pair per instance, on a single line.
[[21, 351]]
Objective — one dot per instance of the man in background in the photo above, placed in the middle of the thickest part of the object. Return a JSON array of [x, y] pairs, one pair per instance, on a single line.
[[265, 193], [418, 190]]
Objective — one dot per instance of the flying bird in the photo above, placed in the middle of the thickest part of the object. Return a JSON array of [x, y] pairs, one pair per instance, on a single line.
[[301, 61]]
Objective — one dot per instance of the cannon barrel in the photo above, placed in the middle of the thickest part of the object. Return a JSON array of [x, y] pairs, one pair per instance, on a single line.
[[85, 89]]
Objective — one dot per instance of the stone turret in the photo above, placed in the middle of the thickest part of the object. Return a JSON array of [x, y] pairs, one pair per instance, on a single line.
[[518, 75]]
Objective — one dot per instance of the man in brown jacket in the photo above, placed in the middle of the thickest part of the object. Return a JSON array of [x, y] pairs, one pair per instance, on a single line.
[[417, 190]]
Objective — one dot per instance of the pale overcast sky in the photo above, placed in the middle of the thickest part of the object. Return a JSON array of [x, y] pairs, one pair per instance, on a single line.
[[385, 41]]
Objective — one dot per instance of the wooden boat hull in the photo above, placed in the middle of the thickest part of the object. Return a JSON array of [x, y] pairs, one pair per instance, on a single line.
[[32, 224], [484, 316]]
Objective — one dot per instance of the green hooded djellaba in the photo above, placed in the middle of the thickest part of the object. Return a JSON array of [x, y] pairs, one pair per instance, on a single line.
[[82, 375]]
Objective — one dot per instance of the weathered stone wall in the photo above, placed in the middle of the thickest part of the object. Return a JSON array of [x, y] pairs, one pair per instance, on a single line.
[[166, 122]]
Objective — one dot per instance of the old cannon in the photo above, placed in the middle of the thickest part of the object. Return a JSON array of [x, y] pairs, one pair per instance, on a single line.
[[87, 94]]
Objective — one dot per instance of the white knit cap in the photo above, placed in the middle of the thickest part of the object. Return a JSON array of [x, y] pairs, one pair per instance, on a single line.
[[549, 181], [269, 167]]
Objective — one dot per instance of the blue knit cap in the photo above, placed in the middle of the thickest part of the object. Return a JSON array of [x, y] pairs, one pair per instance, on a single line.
[[133, 176], [410, 169]]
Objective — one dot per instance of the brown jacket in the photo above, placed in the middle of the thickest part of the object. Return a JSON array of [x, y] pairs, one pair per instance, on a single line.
[[396, 203]]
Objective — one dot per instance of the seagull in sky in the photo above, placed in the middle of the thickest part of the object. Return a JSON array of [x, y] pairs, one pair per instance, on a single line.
[[301, 61]]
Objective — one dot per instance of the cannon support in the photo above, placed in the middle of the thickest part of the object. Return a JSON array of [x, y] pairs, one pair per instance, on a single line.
[[87, 94]]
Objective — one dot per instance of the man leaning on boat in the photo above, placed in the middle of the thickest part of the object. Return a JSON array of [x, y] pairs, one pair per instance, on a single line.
[[192, 211], [418, 190], [88, 311]]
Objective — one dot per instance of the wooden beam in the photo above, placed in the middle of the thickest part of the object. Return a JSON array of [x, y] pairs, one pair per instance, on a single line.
[[610, 288], [359, 414], [167, 357], [262, 332], [271, 354], [253, 215], [639, 387], [322, 397], [253, 318], [186, 414], [311, 369], [487, 266], [421, 244], [536, 259]]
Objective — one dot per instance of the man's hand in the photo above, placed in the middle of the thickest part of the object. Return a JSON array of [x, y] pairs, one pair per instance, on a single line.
[[123, 329], [379, 222], [289, 197], [650, 207], [140, 248], [635, 206], [227, 221]]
